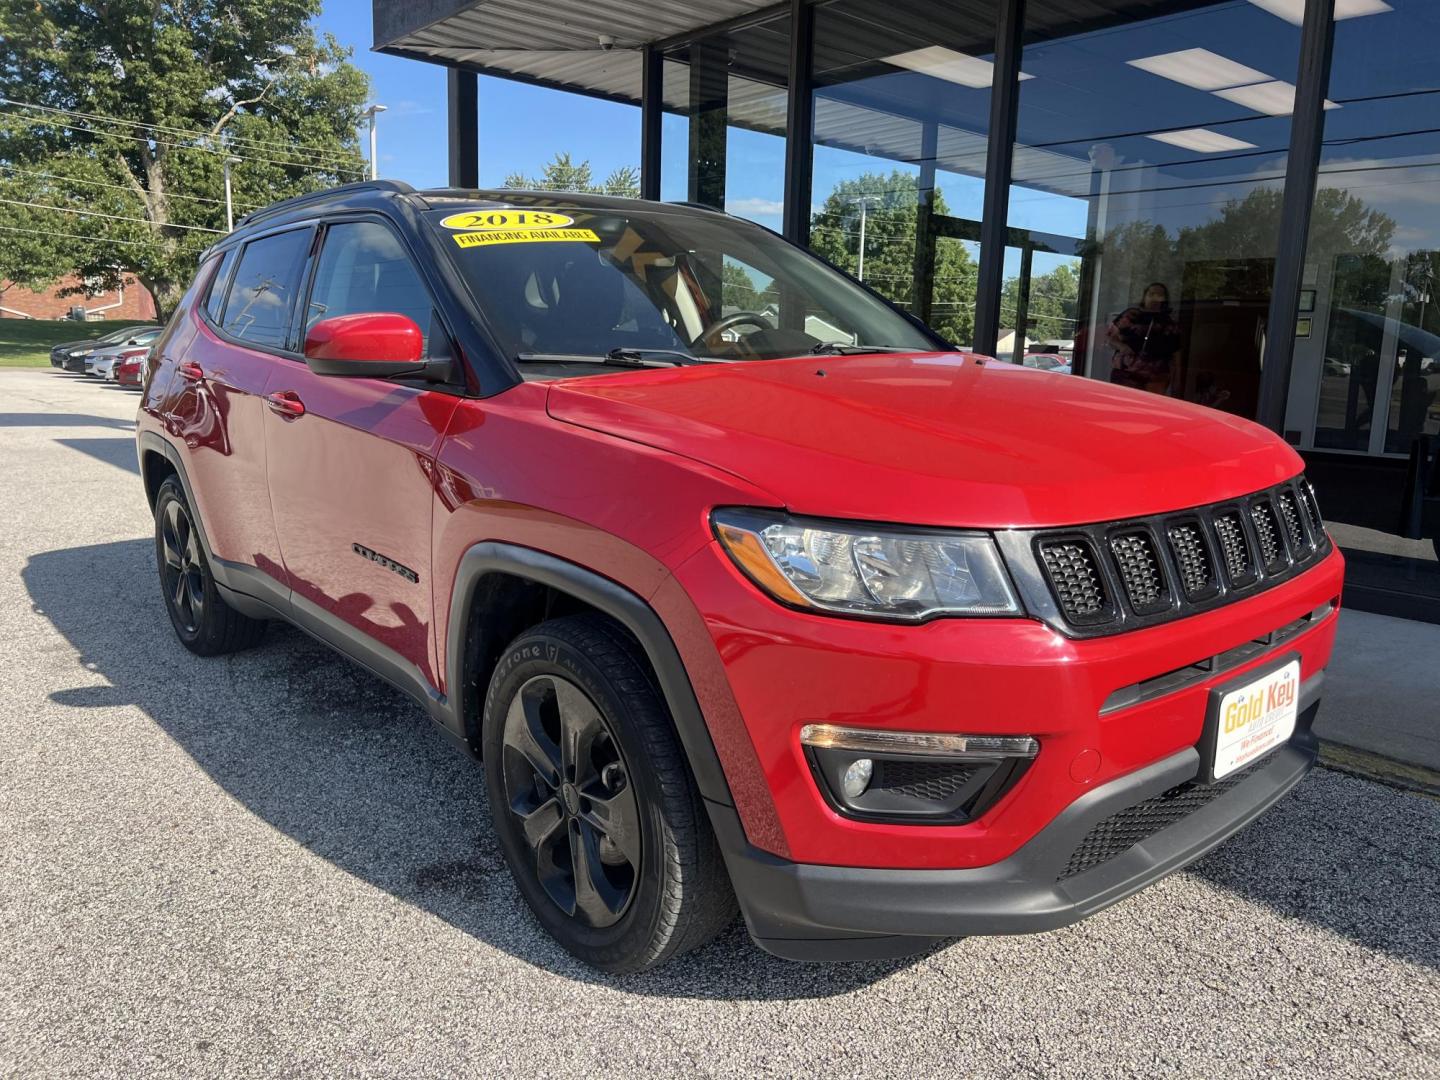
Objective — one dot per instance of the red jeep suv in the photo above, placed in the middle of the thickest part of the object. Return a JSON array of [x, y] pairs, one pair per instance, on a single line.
[[746, 587]]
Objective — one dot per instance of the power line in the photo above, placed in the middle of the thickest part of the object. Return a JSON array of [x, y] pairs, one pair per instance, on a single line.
[[111, 217], [69, 236], [358, 168], [163, 127], [122, 187]]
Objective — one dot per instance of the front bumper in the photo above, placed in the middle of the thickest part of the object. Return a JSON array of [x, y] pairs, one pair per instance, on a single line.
[[1075, 866]]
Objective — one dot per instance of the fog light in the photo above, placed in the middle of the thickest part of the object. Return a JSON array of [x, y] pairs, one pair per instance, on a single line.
[[914, 777], [857, 777]]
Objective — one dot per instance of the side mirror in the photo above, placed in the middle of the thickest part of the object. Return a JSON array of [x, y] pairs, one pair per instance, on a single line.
[[373, 345]]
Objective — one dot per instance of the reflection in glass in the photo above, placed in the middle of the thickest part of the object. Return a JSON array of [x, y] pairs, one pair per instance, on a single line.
[[1371, 380], [901, 100], [1148, 176]]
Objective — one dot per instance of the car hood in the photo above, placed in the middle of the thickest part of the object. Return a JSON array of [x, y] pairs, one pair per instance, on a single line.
[[934, 438]]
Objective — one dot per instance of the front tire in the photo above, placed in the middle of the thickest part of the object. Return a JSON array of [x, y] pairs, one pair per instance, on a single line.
[[203, 621], [594, 805]]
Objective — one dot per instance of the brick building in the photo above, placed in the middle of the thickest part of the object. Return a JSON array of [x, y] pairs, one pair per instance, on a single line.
[[131, 301]]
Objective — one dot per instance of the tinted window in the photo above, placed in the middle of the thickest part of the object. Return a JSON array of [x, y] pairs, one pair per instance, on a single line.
[[215, 302], [264, 288], [363, 268]]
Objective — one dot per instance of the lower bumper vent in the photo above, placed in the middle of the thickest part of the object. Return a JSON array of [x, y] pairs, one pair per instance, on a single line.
[[1121, 831]]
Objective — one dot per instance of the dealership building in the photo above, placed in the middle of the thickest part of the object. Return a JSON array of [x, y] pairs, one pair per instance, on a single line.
[[1021, 174]]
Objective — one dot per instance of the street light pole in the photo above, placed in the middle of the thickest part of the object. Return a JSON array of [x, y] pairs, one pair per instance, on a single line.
[[864, 203], [229, 210], [371, 112]]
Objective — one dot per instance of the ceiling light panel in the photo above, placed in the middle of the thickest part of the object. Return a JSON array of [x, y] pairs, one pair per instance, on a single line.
[[1199, 68], [1201, 140], [1293, 11], [952, 66], [1275, 97]]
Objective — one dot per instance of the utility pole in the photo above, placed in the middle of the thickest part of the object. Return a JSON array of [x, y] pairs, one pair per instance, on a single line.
[[372, 112], [864, 203], [229, 210]]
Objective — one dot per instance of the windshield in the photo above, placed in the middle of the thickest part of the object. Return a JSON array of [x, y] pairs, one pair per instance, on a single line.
[[657, 285]]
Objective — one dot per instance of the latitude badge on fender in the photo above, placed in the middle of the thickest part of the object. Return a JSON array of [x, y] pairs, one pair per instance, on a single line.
[[387, 562]]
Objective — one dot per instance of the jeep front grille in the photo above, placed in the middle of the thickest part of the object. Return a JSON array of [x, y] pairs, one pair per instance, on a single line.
[[1121, 575], [1074, 573]]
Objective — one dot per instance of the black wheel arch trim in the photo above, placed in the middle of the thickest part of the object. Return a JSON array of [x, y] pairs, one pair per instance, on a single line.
[[606, 596]]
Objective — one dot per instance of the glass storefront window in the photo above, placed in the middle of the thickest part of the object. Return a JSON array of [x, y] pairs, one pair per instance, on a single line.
[[723, 138], [1367, 351], [901, 110], [1148, 175]]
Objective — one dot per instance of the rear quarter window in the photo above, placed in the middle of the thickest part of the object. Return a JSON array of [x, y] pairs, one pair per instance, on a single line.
[[263, 291], [219, 281]]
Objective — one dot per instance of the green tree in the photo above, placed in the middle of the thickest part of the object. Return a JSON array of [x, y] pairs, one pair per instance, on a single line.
[[560, 173], [890, 216], [1050, 306], [131, 106]]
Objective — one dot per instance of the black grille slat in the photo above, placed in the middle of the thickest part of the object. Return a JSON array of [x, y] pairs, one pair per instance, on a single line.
[[1312, 508], [1117, 575], [1267, 534], [1074, 573], [1294, 527], [1192, 556], [1124, 829], [1234, 548], [1140, 571]]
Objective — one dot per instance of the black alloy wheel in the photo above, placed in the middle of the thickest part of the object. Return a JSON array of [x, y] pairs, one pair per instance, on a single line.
[[566, 783], [594, 805], [203, 621], [182, 570]]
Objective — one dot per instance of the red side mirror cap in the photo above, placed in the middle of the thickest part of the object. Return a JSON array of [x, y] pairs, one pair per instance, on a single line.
[[380, 337]]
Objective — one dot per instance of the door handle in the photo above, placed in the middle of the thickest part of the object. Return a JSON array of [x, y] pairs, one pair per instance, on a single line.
[[191, 371], [286, 403]]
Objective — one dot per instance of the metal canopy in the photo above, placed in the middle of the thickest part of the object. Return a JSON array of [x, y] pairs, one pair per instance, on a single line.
[[555, 44]]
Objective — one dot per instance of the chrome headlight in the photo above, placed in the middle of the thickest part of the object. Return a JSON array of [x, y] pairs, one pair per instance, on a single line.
[[855, 568]]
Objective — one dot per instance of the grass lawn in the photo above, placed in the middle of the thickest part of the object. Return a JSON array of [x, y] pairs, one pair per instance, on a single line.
[[27, 342]]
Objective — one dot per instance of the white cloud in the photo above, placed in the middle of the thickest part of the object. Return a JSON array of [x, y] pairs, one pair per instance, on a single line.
[[754, 207]]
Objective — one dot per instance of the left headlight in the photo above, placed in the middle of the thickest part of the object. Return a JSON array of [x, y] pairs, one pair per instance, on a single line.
[[854, 568]]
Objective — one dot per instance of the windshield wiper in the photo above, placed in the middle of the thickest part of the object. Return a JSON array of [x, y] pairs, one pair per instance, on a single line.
[[837, 348], [674, 356], [629, 358]]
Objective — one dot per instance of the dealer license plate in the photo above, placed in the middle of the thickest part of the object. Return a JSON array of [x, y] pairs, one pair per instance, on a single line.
[[1254, 718]]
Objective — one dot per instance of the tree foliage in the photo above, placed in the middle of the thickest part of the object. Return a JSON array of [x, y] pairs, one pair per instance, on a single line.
[[561, 173], [168, 89], [890, 217], [1050, 310]]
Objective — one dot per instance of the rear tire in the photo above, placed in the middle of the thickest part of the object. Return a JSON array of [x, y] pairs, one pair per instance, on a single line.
[[203, 621], [593, 801]]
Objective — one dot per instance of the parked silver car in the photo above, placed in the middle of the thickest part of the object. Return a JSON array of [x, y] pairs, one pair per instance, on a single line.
[[101, 362]]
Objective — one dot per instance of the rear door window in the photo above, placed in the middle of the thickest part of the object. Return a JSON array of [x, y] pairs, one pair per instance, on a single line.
[[264, 288]]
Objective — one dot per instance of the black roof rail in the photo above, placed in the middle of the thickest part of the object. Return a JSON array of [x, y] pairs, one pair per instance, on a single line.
[[399, 187], [696, 205]]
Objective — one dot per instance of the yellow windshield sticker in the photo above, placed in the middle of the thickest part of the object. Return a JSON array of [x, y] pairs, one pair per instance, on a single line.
[[511, 220], [523, 236]]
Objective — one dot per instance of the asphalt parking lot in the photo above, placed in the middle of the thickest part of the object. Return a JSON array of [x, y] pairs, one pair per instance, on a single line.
[[269, 864]]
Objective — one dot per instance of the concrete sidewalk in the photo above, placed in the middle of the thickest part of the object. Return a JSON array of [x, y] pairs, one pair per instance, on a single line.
[[1382, 691]]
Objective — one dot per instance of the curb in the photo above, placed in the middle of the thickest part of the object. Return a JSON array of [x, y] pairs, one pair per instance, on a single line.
[[1370, 766]]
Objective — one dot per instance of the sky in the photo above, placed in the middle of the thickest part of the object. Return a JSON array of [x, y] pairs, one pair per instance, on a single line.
[[521, 127]]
